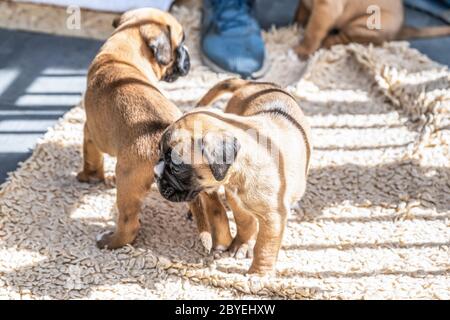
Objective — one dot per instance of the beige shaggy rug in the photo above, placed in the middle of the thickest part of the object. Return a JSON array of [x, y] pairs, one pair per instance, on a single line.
[[374, 223]]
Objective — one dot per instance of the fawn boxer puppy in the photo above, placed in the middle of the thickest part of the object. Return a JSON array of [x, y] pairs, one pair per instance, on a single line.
[[330, 22], [259, 150], [126, 114]]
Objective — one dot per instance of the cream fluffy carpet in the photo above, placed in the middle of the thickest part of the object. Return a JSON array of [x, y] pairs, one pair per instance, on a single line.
[[374, 223]]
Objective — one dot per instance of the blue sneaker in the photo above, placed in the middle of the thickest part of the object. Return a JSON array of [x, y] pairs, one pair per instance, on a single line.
[[231, 39]]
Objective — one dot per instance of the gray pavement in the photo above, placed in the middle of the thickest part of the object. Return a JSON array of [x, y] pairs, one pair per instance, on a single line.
[[41, 77]]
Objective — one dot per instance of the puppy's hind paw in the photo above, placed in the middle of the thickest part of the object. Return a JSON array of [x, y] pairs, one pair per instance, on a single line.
[[82, 177], [86, 177], [113, 240], [103, 239]]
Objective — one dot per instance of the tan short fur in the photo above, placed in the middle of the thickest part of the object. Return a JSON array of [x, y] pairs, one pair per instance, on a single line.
[[126, 113], [349, 19], [259, 188]]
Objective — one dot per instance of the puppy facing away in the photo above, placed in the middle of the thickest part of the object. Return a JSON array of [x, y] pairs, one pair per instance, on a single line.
[[126, 114], [259, 150], [331, 22]]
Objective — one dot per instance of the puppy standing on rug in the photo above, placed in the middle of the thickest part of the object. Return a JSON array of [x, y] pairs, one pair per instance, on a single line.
[[126, 113], [351, 21], [259, 150]]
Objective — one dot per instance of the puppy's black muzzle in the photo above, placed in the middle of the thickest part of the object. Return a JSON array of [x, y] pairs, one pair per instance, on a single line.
[[173, 194], [181, 66], [176, 188]]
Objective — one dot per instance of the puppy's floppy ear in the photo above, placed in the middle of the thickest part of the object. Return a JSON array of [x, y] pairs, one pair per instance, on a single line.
[[220, 150], [161, 48]]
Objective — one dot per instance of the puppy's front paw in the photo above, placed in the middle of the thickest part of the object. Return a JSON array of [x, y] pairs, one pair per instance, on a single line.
[[206, 240], [260, 270], [302, 52], [241, 250]]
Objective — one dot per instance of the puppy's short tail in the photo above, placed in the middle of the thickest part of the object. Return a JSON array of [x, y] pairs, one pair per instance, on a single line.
[[225, 86], [427, 32]]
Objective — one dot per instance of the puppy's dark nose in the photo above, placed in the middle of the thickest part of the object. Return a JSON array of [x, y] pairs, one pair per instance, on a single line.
[[168, 192]]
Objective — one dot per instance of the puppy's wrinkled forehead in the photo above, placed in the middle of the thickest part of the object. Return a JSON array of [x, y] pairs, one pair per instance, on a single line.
[[177, 138], [189, 129], [184, 139], [152, 15]]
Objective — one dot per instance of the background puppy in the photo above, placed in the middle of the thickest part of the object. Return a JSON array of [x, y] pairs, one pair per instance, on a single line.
[[330, 22], [259, 150], [126, 113]]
